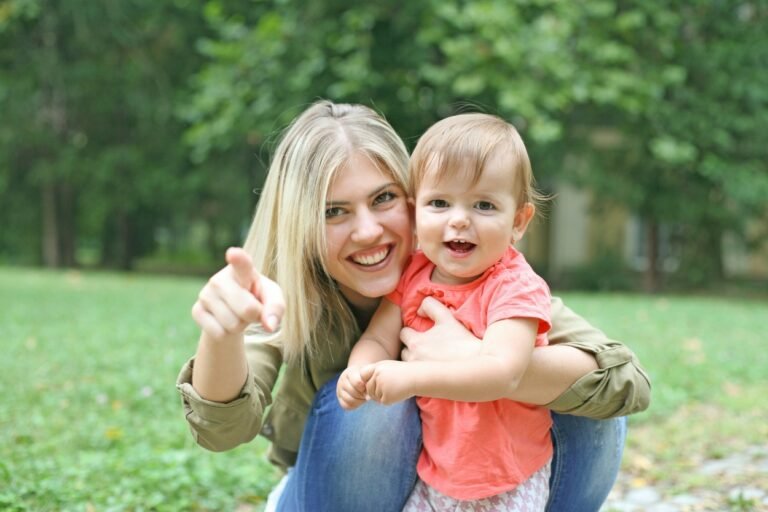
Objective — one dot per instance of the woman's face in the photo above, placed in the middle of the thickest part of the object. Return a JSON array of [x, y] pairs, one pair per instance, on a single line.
[[368, 230]]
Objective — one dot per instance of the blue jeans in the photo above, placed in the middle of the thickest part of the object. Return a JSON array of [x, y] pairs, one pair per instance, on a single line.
[[366, 459]]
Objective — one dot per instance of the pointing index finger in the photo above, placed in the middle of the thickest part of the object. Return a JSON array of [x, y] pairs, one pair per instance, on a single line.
[[242, 267]]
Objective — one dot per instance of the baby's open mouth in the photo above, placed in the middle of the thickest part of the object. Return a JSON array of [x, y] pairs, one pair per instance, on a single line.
[[460, 245]]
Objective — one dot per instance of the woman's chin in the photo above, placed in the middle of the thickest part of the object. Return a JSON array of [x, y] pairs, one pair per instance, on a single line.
[[366, 295], [379, 289]]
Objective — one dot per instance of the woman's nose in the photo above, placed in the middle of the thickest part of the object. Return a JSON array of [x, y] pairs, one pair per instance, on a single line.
[[367, 227]]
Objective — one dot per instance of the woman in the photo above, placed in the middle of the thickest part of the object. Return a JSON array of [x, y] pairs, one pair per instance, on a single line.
[[333, 227]]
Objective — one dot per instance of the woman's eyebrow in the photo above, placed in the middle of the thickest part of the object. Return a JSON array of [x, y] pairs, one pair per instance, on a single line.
[[374, 193], [382, 188]]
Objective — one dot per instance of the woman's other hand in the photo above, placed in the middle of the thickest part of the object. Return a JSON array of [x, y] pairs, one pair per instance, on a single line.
[[237, 296], [447, 340]]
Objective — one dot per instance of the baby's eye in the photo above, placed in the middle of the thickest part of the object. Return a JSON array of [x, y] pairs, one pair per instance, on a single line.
[[384, 197], [333, 211], [485, 205], [438, 203]]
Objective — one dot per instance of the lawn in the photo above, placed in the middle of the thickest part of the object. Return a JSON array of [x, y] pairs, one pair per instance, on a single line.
[[90, 418]]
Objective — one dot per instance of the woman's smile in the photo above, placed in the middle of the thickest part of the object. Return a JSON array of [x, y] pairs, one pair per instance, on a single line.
[[371, 258]]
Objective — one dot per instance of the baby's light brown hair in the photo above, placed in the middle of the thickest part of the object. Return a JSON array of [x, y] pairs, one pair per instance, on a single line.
[[464, 143]]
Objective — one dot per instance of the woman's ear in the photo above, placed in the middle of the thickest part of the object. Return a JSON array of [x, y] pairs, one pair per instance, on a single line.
[[523, 217]]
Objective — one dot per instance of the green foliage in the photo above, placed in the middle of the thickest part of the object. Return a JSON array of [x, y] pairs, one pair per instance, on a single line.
[[650, 75], [694, 156], [742, 504], [90, 144], [605, 272], [126, 124], [530, 61], [269, 61]]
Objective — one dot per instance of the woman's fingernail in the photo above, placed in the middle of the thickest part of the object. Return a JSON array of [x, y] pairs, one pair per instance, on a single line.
[[272, 322]]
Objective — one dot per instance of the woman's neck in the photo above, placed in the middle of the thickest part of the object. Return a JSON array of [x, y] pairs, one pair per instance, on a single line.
[[362, 307], [363, 316]]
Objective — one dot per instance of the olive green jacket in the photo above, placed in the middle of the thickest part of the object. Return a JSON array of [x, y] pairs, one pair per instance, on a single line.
[[619, 387]]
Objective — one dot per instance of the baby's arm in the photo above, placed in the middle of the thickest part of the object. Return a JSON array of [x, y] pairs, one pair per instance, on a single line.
[[491, 374], [381, 340]]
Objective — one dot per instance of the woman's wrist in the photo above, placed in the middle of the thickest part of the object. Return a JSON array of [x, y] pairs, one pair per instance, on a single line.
[[221, 367]]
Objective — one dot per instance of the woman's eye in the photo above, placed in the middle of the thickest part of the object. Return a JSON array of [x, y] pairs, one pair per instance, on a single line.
[[484, 205], [333, 211], [384, 197], [438, 203]]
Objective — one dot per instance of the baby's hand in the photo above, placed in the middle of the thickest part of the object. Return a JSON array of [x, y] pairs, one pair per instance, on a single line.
[[350, 389], [387, 381]]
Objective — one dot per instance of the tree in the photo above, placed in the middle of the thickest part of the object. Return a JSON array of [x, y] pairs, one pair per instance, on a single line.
[[541, 64], [648, 74], [694, 157], [90, 143]]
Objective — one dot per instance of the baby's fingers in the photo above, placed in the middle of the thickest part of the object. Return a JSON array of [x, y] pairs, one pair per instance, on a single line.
[[357, 382], [372, 388], [349, 402], [349, 398]]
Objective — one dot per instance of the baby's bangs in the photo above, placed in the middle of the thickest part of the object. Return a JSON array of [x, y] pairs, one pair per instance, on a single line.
[[460, 155]]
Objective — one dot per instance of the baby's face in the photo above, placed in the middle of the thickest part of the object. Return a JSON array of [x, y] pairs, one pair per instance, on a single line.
[[464, 228]]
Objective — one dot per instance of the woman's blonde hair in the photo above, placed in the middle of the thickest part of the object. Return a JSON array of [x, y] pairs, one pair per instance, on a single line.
[[464, 143], [287, 236]]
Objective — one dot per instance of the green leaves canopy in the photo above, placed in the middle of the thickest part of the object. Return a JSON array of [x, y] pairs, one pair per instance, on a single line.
[[647, 101]]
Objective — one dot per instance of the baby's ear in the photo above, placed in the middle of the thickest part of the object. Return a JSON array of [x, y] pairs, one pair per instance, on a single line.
[[523, 217]]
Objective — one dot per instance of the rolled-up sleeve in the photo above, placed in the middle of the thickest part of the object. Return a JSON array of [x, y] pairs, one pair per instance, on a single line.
[[219, 426], [620, 386]]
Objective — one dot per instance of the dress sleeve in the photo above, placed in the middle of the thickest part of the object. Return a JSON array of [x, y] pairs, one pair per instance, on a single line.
[[521, 294], [620, 386], [219, 426]]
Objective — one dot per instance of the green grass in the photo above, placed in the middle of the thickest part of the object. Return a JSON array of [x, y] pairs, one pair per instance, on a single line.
[[89, 415], [708, 362], [696, 349], [90, 418]]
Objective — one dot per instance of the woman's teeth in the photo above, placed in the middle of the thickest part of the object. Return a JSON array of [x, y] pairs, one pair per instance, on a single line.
[[371, 259]]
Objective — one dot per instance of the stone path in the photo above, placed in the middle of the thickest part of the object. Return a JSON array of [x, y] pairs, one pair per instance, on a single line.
[[738, 483]]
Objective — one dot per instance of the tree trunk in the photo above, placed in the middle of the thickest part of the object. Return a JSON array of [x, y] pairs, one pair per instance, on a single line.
[[124, 241], [713, 252], [50, 226], [651, 276], [67, 228], [57, 200]]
